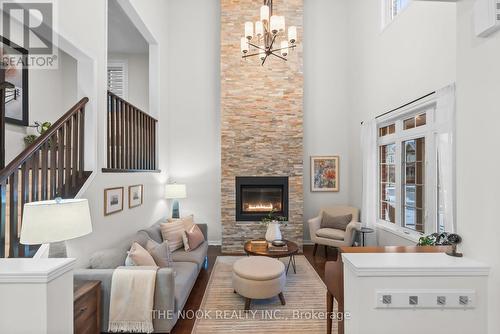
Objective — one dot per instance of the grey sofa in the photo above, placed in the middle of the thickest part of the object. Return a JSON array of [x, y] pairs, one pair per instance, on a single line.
[[173, 285]]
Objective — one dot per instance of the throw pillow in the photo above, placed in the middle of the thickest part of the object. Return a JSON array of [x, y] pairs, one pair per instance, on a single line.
[[188, 221], [336, 222], [172, 232], [140, 256], [160, 253], [194, 238]]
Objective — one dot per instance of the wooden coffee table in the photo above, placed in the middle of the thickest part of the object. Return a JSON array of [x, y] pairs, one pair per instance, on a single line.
[[262, 250]]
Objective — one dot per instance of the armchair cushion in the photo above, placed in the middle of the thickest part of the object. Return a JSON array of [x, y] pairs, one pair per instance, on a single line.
[[331, 233], [336, 222]]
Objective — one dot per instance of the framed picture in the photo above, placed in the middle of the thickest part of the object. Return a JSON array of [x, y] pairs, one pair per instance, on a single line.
[[135, 195], [16, 99], [325, 173], [113, 200]]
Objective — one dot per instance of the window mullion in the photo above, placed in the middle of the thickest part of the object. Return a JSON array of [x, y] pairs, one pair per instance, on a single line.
[[399, 169]]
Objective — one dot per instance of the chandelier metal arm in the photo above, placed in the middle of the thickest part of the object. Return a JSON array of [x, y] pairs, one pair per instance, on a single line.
[[276, 55], [256, 46], [250, 55], [288, 47]]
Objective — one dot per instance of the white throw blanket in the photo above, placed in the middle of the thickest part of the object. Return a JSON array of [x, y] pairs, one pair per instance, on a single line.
[[132, 300]]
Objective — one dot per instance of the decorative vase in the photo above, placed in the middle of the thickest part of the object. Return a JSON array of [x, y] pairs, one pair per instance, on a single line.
[[273, 232]]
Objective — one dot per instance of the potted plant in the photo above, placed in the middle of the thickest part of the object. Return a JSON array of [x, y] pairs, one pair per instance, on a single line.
[[273, 222], [41, 128]]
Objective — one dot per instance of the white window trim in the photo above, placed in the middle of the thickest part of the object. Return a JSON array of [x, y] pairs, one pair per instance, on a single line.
[[386, 13], [427, 105], [124, 64]]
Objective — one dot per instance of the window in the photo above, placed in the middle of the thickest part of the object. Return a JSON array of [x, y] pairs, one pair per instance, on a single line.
[[408, 185], [118, 78], [392, 8]]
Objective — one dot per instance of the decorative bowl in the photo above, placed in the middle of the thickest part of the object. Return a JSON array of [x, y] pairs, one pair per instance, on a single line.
[[278, 243]]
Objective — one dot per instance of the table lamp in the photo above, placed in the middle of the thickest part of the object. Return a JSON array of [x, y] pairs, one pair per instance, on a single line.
[[53, 222], [175, 191]]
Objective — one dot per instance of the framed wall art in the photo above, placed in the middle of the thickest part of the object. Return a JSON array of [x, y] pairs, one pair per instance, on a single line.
[[113, 200], [325, 173], [135, 195]]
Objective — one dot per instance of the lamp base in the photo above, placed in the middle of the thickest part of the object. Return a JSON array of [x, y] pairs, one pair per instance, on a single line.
[[52, 250], [175, 209]]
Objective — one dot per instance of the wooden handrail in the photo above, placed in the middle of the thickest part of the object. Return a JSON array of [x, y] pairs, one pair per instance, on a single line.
[[53, 166], [37, 144], [131, 105]]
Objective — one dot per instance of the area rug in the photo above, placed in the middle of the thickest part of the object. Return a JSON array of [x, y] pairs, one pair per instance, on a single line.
[[222, 310]]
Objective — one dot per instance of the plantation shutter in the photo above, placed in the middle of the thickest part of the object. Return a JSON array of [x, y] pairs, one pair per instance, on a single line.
[[117, 79]]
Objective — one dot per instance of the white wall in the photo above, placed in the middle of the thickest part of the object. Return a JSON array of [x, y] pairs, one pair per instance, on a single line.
[[478, 87], [413, 56], [194, 107], [138, 77], [51, 93], [326, 96], [73, 15]]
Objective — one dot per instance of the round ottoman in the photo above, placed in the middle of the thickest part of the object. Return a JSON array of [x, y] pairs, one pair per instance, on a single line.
[[259, 277]]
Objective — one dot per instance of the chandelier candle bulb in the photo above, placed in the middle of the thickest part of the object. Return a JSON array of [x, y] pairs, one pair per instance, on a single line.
[[249, 30], [244, 45], [264, 13], [292, 34], [281, 23], [275, 24], [284, 48], [259, 29]]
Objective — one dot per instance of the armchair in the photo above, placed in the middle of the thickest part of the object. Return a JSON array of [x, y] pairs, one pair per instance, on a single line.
[[333, 237]]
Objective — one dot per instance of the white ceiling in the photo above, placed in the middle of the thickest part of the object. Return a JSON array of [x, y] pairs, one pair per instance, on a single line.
[[123, 36]]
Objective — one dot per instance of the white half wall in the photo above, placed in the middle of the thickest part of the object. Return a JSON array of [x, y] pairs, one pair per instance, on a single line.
[[326, 98], [478, 87], [411, 57]]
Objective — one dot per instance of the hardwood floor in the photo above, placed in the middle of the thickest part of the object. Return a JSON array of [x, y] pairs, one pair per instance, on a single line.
[[184, 326]]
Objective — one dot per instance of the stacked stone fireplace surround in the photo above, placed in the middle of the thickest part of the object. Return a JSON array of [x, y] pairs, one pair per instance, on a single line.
[[261, 120]]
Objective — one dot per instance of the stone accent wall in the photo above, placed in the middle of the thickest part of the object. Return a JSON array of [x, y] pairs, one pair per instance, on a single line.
[[261, 119]]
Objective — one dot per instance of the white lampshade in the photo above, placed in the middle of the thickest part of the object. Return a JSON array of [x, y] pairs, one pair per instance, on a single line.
[[275, 24], [292, 34], [259, 29], [54, 221], [264, 13], [249, 30], [175, 191], [284, 48], [281, 23], [244, 45]]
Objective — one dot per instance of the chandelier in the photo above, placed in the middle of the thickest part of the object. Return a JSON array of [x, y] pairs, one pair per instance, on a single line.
[[268, 36]]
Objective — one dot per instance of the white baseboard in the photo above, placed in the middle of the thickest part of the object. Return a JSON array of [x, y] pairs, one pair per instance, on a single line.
[[214, 242]]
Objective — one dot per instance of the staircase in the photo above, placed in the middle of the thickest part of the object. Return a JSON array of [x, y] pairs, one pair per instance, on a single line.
[[53, 166]]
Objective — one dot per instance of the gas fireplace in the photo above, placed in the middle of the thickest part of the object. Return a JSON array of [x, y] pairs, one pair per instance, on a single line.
[[257, 196]]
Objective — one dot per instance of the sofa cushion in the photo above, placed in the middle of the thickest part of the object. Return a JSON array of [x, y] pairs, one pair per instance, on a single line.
[[336, 222], [185, 277], [192, 238], [330, 233], [153, 232], [160, 253], [108, 258], [196, 256], [140, 256], [172, 232]]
